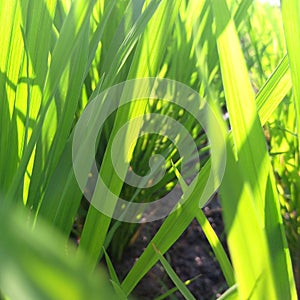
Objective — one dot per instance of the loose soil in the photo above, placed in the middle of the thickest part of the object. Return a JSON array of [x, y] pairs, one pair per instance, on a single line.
[[191, 257]]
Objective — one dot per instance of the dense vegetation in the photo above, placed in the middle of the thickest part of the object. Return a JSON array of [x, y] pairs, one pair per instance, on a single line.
[[57, 57]]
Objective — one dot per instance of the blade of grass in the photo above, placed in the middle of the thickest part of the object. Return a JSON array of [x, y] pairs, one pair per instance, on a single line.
[[111, 269], [249, 260], [119, 293], [211, 236], [121, 49], [114, 277], [68, 41], [62, 186], [36, 40], [252, 155], [241, 12], [62, 195], [179, 284], [291, 23], [11, 61], [48, 154], [146, 261], [168, 233], [274, 90], [34, 266], [170, 292], [158, 27], [230, 294], [175, 224], [255, 170]]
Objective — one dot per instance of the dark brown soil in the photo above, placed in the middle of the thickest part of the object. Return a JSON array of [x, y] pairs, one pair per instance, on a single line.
[[191, 257]]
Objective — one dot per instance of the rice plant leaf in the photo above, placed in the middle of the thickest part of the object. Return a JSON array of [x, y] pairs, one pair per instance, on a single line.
[[291, 23], [274, 90], [98, 34], [68, 40], [121, 47], [158, 26], [62, 195], [246, 253], [119, 293], [171, 291], [217, 247], [34, 266], [24, 67], [251, 146], [166, 237], [61, 185], [114, 277], [255, 170], [230, 294], [211, 236], [175, 224], [179, 284], [25, 75], [241, 12], [111, 269], [168, 233], [57, 133], [10, 61]]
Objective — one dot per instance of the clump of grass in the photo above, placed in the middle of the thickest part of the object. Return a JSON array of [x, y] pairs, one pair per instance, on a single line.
[[56, 56]]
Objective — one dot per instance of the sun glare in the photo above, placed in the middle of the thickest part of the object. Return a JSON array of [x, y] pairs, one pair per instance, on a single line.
[[273, 2]]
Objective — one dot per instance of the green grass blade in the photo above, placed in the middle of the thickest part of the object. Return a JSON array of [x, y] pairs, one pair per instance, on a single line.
[[114, 277], [211, 236], [249, 260], [255, 171], [171, 291], [24, 67], [48, 154], [159, 26], [180, 221], [230, 294], [36, 267], [179, 284], [62, 186], [165, 239], [217, 247], [175, 224], [241, 12], [119, 293], [291, 23], [68, 40], [111, 269], [240, 102], [10, 61], [98, 34], [274, 90], [168, 233], [62, 195]]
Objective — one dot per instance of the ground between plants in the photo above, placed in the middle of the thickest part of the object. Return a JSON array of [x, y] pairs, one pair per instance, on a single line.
[[191, 256]]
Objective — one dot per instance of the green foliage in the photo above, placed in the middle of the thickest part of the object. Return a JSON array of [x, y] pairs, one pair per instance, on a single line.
[[56, 56], [37, 265]]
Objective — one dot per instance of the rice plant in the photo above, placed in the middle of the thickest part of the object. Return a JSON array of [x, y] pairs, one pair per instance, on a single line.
[[111, 108]]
